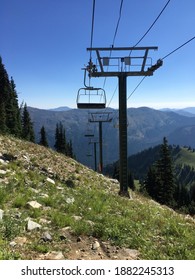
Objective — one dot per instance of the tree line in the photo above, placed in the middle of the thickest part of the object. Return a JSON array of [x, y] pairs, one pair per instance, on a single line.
[[170, 185], [15, 120]]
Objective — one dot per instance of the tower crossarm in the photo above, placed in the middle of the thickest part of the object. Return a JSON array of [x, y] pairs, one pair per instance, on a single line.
[[129, 63]]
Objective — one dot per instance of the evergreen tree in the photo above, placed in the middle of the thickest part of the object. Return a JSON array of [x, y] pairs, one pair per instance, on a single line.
[[70, 149], [60, 139], [165, 179], [13, 111], [43, 138], [3, 127], [151, 184], [4, 97], [61, 144], [160, 183], [27, 126], [10, 119]]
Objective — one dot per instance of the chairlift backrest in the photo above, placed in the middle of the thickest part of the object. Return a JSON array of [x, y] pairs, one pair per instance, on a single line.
[[91, 98]]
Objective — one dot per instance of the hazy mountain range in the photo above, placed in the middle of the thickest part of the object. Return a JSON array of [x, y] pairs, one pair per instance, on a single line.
[[146, 128]]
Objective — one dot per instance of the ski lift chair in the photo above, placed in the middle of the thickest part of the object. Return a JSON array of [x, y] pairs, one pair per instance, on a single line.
[[91, 98]]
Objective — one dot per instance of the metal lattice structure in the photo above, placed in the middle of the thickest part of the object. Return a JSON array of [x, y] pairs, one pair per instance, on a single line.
[[130, 61]]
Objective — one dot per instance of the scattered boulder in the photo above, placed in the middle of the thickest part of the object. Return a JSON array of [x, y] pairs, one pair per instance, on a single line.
[[95, 245], [2, 161], [32, 225], [77, 218], [46, 237], [54, 256], [44, 221], [114, 181], [26, 157], [70, 200], [50, 181], [34, 204], [1, 214], [44, 195], [130, 253]]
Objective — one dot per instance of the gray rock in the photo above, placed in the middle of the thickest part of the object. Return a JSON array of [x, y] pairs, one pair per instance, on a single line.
[[2, 161], [130, 253], [12, 243], [54, 256], [70, 200], [46, 237], [77, 218], [95, 245], [32, 225], [1, 214], [34, 204], [50, 181]]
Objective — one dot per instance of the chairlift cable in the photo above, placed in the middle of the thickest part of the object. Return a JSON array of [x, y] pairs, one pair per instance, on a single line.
[[117, 26], [153, 23], [136, 87], [187, 42], [139, 40], [92, 28], [178, 48], [113, 42]]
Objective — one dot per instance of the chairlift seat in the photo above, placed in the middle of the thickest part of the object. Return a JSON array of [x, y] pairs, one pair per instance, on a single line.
[[91, 105], [91, 98]]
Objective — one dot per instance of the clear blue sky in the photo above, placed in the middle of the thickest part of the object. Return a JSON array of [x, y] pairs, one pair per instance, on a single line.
[[43, 46]]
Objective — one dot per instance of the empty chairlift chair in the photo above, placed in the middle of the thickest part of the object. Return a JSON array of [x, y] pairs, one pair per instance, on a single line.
[[91, 98]]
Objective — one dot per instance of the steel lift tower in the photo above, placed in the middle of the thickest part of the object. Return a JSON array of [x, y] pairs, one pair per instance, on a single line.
[[100, 117], [128, 61]]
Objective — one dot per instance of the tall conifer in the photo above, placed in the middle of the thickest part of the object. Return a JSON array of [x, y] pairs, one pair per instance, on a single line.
[[160, 183], [10, 119], [60, 139], [43, 138], [27, 126]]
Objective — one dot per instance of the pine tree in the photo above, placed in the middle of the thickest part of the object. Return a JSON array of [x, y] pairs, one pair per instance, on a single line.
[[27, 126], [3, 127], [4, 97], [160, 183], [61, 144], [151, 184], [43, 138], [10, 119], [70, 149], [60, 139], [166, 183], [13, 111]]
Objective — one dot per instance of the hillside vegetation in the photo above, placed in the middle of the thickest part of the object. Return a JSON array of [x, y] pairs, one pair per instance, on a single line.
[[53, 207]]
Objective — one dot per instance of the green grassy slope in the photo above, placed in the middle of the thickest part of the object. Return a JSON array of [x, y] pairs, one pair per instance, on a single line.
[[65, 190], [185, 156]]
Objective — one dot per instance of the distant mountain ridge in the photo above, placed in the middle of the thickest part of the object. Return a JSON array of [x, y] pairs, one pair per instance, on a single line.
[[146, 128], [188, 112], [60, 109]]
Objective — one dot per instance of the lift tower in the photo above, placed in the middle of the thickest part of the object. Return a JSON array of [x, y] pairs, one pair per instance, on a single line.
[[101, 117], [134, 63]]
